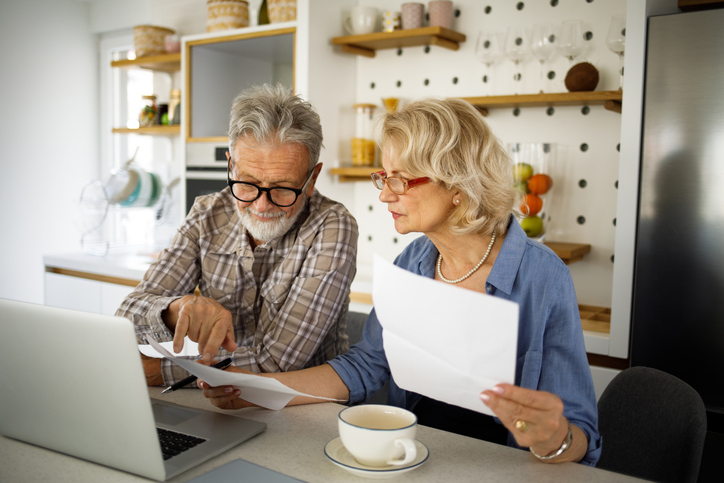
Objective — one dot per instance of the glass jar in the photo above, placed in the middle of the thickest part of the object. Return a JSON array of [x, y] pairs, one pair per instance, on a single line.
[[532, 172], [149, 113], [363, 143], [174, 107]]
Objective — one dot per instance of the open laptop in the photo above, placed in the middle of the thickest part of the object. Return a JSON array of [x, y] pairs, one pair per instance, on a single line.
[[73, 382]]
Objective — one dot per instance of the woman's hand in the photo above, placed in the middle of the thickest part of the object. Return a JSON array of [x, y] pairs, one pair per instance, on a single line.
[[535, 419], [225, 397]]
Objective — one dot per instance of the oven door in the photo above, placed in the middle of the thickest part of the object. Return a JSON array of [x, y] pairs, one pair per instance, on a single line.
[[203, 182]]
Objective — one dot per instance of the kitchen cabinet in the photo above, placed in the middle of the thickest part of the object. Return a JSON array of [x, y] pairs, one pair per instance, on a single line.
[[90, 283], [219, 66], [77, 293]]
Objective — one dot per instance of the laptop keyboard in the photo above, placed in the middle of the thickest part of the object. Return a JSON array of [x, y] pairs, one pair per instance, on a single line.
[[173, 443]]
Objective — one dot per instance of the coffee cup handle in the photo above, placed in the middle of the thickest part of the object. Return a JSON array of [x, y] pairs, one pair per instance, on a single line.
[[347, 24], [410, 452]]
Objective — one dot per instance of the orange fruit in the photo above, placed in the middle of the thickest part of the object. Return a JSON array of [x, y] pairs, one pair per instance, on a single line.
[[530, 205], [539, 184]]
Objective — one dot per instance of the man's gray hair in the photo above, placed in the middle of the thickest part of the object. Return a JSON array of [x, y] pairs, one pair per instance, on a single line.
[[273, 115]]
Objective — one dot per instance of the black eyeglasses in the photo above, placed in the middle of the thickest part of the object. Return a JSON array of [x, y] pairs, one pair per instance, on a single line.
[[248, 192], [397, 185]]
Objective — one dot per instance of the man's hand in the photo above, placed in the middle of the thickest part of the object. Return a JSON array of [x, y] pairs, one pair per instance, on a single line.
[[152, 369], [205, 321]]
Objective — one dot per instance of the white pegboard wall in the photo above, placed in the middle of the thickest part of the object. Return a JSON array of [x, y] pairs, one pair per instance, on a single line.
[[583, 202]]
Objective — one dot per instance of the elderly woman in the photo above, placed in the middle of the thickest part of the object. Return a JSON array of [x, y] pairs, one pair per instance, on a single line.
[[447, 177]]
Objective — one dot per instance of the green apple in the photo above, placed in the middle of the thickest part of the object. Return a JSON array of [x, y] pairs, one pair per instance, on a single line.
[[522, 186], [532, 226], [522, 172]]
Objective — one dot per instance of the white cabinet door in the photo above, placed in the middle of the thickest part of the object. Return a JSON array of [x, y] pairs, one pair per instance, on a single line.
[[72, 293], [111, 297]]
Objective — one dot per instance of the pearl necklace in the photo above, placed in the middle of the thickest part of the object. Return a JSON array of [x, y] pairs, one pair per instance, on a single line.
[[480, 263]]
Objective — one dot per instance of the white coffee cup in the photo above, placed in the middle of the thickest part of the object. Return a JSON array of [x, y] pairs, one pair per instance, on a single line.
[[378, 435], [363, 20]]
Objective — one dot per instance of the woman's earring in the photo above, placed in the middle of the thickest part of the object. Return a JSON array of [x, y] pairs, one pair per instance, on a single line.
[[457, 201]]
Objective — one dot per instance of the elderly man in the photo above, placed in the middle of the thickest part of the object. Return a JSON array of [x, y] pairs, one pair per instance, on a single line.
[[272, 258]]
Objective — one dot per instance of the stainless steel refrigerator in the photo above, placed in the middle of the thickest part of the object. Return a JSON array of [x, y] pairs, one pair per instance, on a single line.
[[678, 308]]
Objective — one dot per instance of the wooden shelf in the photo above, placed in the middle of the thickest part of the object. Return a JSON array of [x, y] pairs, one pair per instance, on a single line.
[[356, 173], [164, 63], [611, 100], [367, 44], [595, 319], [173, 130], [569, 252]]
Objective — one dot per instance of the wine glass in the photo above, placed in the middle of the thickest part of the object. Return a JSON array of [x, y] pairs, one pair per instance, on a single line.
[[570, 41], [516, 48], [487, 48], [542, 45], [616, 42]]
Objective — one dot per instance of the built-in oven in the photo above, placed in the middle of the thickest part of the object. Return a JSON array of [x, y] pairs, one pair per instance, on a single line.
[[205, 170]]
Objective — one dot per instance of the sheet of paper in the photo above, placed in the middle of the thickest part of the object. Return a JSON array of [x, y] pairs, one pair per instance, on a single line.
[[190, 349], [263, 391], [442, 341]]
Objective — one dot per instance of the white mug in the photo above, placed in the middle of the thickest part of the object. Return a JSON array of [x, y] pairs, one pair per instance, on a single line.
[[363, 20], [378, 435]]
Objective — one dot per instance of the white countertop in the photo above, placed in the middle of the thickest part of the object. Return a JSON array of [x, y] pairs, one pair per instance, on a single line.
[[129, 264], [132, 264]]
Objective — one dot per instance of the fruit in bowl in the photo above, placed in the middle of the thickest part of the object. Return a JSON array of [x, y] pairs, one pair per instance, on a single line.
[[531, 186], [532, 226], [531, 204], [522, 172], [539, 184]]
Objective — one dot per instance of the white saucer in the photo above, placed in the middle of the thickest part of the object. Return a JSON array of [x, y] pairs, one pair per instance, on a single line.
[[338, 454]]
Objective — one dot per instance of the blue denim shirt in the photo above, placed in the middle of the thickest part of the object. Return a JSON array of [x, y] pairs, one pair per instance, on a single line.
[[551, 353]]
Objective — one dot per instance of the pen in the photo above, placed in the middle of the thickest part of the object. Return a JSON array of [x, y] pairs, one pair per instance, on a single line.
[[219, 365]]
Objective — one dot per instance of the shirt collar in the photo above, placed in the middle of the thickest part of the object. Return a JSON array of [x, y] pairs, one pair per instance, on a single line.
[[508, 261]]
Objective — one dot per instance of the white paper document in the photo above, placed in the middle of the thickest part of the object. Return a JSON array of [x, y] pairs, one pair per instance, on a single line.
[[442, 341], [262, 391], [190, 349]]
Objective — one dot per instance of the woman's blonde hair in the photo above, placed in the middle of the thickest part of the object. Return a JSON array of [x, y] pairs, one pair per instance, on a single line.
[[448, 141]]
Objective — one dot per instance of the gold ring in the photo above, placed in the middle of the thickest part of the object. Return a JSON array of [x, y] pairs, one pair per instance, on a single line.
[[522, 426]]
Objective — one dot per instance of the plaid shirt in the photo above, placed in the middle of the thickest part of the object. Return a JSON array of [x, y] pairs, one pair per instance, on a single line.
[[288, 297]]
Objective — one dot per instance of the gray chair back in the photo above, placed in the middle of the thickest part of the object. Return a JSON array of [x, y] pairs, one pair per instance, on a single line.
[[355, 328], [653, 426]]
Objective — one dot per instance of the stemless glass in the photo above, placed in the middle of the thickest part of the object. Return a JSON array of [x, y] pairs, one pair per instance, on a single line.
[[516, 48], [487, 48], [570, 41], [616, 42], [542, 45]]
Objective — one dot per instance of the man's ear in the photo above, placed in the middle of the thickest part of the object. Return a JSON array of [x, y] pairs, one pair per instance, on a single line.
[[315, 175]]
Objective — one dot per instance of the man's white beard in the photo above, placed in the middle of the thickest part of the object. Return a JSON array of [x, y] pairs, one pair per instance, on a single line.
[[264, 231]]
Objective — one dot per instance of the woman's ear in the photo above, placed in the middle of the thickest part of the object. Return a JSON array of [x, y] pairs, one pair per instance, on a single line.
[[457, 198]]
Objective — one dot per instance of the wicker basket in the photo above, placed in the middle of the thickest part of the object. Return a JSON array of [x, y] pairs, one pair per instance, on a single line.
[[227, 14], [150, 40], [282, 10]]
